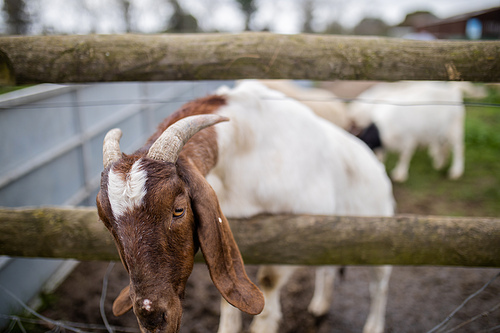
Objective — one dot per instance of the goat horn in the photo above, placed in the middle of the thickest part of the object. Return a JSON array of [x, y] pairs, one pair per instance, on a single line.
[[111, 147], [168, 146]]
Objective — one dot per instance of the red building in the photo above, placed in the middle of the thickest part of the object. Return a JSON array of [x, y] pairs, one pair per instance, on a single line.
[[484, 24]]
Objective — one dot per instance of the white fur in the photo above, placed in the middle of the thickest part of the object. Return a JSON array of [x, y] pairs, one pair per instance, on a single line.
[[413, 114], [126, 194], [277, 156], [322, 102]]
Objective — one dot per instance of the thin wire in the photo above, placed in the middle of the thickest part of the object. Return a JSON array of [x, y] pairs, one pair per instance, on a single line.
[[491, 329], [73, 324], [92, 103], [103, 296], [451, 315], [36, 314], [21, 327], [55, 330], [467, 322], [12, 324], [153, 101]]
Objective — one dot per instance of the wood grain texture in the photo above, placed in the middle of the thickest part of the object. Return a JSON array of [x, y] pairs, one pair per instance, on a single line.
[[132, 57], [287, 239]]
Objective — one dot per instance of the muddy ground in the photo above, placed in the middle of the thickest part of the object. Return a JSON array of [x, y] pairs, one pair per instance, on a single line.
[[419, 298]]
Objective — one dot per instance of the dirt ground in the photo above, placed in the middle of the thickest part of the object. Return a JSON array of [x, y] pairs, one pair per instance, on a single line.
[[419, 297]]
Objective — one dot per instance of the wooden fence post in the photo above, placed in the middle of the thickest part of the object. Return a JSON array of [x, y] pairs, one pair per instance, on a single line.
[[129, 57], [270, 239]]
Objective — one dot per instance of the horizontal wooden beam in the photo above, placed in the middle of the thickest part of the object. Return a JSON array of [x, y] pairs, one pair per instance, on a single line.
[[287, 239], [130, 57]]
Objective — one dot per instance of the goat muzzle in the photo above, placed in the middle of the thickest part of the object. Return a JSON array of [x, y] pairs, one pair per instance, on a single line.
[[150, 318], [155, 317]]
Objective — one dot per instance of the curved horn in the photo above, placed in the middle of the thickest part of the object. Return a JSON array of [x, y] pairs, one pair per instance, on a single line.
[[168, 146], [111, 147]]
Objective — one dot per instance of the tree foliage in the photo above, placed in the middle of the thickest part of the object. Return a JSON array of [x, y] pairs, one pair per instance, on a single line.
[[181, 21], [248, 7], [17, 17]]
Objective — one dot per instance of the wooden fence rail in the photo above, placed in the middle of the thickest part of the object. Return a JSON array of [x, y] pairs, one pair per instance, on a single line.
[[100, 58], [56, 232]]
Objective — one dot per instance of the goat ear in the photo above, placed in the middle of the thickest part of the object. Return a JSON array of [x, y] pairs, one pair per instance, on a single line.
[[122, 303], [221, 252]]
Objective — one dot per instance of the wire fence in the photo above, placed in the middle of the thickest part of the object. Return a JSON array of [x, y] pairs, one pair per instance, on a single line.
[[159, 101], [440, 328]]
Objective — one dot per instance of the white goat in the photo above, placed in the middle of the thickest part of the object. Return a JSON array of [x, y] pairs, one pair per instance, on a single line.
[[273, 156], [323, 102], [303, 164], [412, 114]]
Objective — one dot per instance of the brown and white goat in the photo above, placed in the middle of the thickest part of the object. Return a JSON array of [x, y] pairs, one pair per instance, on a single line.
[[159, 208], [273, 156]]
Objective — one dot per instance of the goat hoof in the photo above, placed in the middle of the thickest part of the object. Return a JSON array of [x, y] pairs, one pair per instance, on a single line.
[[398, 177], [454, 175]]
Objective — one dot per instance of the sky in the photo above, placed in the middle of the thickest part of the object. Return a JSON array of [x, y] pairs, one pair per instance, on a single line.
[[349, 13], [280, 16]]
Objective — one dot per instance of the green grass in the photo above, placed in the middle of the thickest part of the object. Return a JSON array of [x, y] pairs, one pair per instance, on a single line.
[[477, 193]]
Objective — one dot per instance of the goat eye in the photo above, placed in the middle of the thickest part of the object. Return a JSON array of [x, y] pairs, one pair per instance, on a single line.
[[178, 212]]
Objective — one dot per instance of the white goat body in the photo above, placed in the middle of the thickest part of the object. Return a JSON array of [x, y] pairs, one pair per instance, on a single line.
[[412, 114], [276, 156]]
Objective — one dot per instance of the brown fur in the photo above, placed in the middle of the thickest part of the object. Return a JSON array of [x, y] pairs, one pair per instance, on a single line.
[[158, 248]]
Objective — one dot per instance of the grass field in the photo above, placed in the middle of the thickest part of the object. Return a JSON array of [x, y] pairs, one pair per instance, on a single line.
[[477, 193]]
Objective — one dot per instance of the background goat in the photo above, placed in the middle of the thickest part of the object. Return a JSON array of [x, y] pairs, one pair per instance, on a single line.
[[413, 114], [274, 156]]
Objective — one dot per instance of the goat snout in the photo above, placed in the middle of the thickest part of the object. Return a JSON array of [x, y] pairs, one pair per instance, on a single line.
[[158, 315], [151, 316]]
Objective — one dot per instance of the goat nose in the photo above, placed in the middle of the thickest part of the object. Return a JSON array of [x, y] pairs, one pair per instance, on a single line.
[[151, 317]]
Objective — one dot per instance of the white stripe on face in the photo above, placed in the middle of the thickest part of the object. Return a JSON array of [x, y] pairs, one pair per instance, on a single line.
[[126, 194]]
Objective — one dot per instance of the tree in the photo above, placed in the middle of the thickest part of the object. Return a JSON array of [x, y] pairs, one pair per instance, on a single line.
[[180, 21], [418, 18], [334, 28], [17, 18], [371, 27], [307, 8], [249, 8], [125, 4]]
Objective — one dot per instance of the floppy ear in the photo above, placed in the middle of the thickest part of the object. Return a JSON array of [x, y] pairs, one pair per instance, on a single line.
[[220, 250], [122, 303]]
